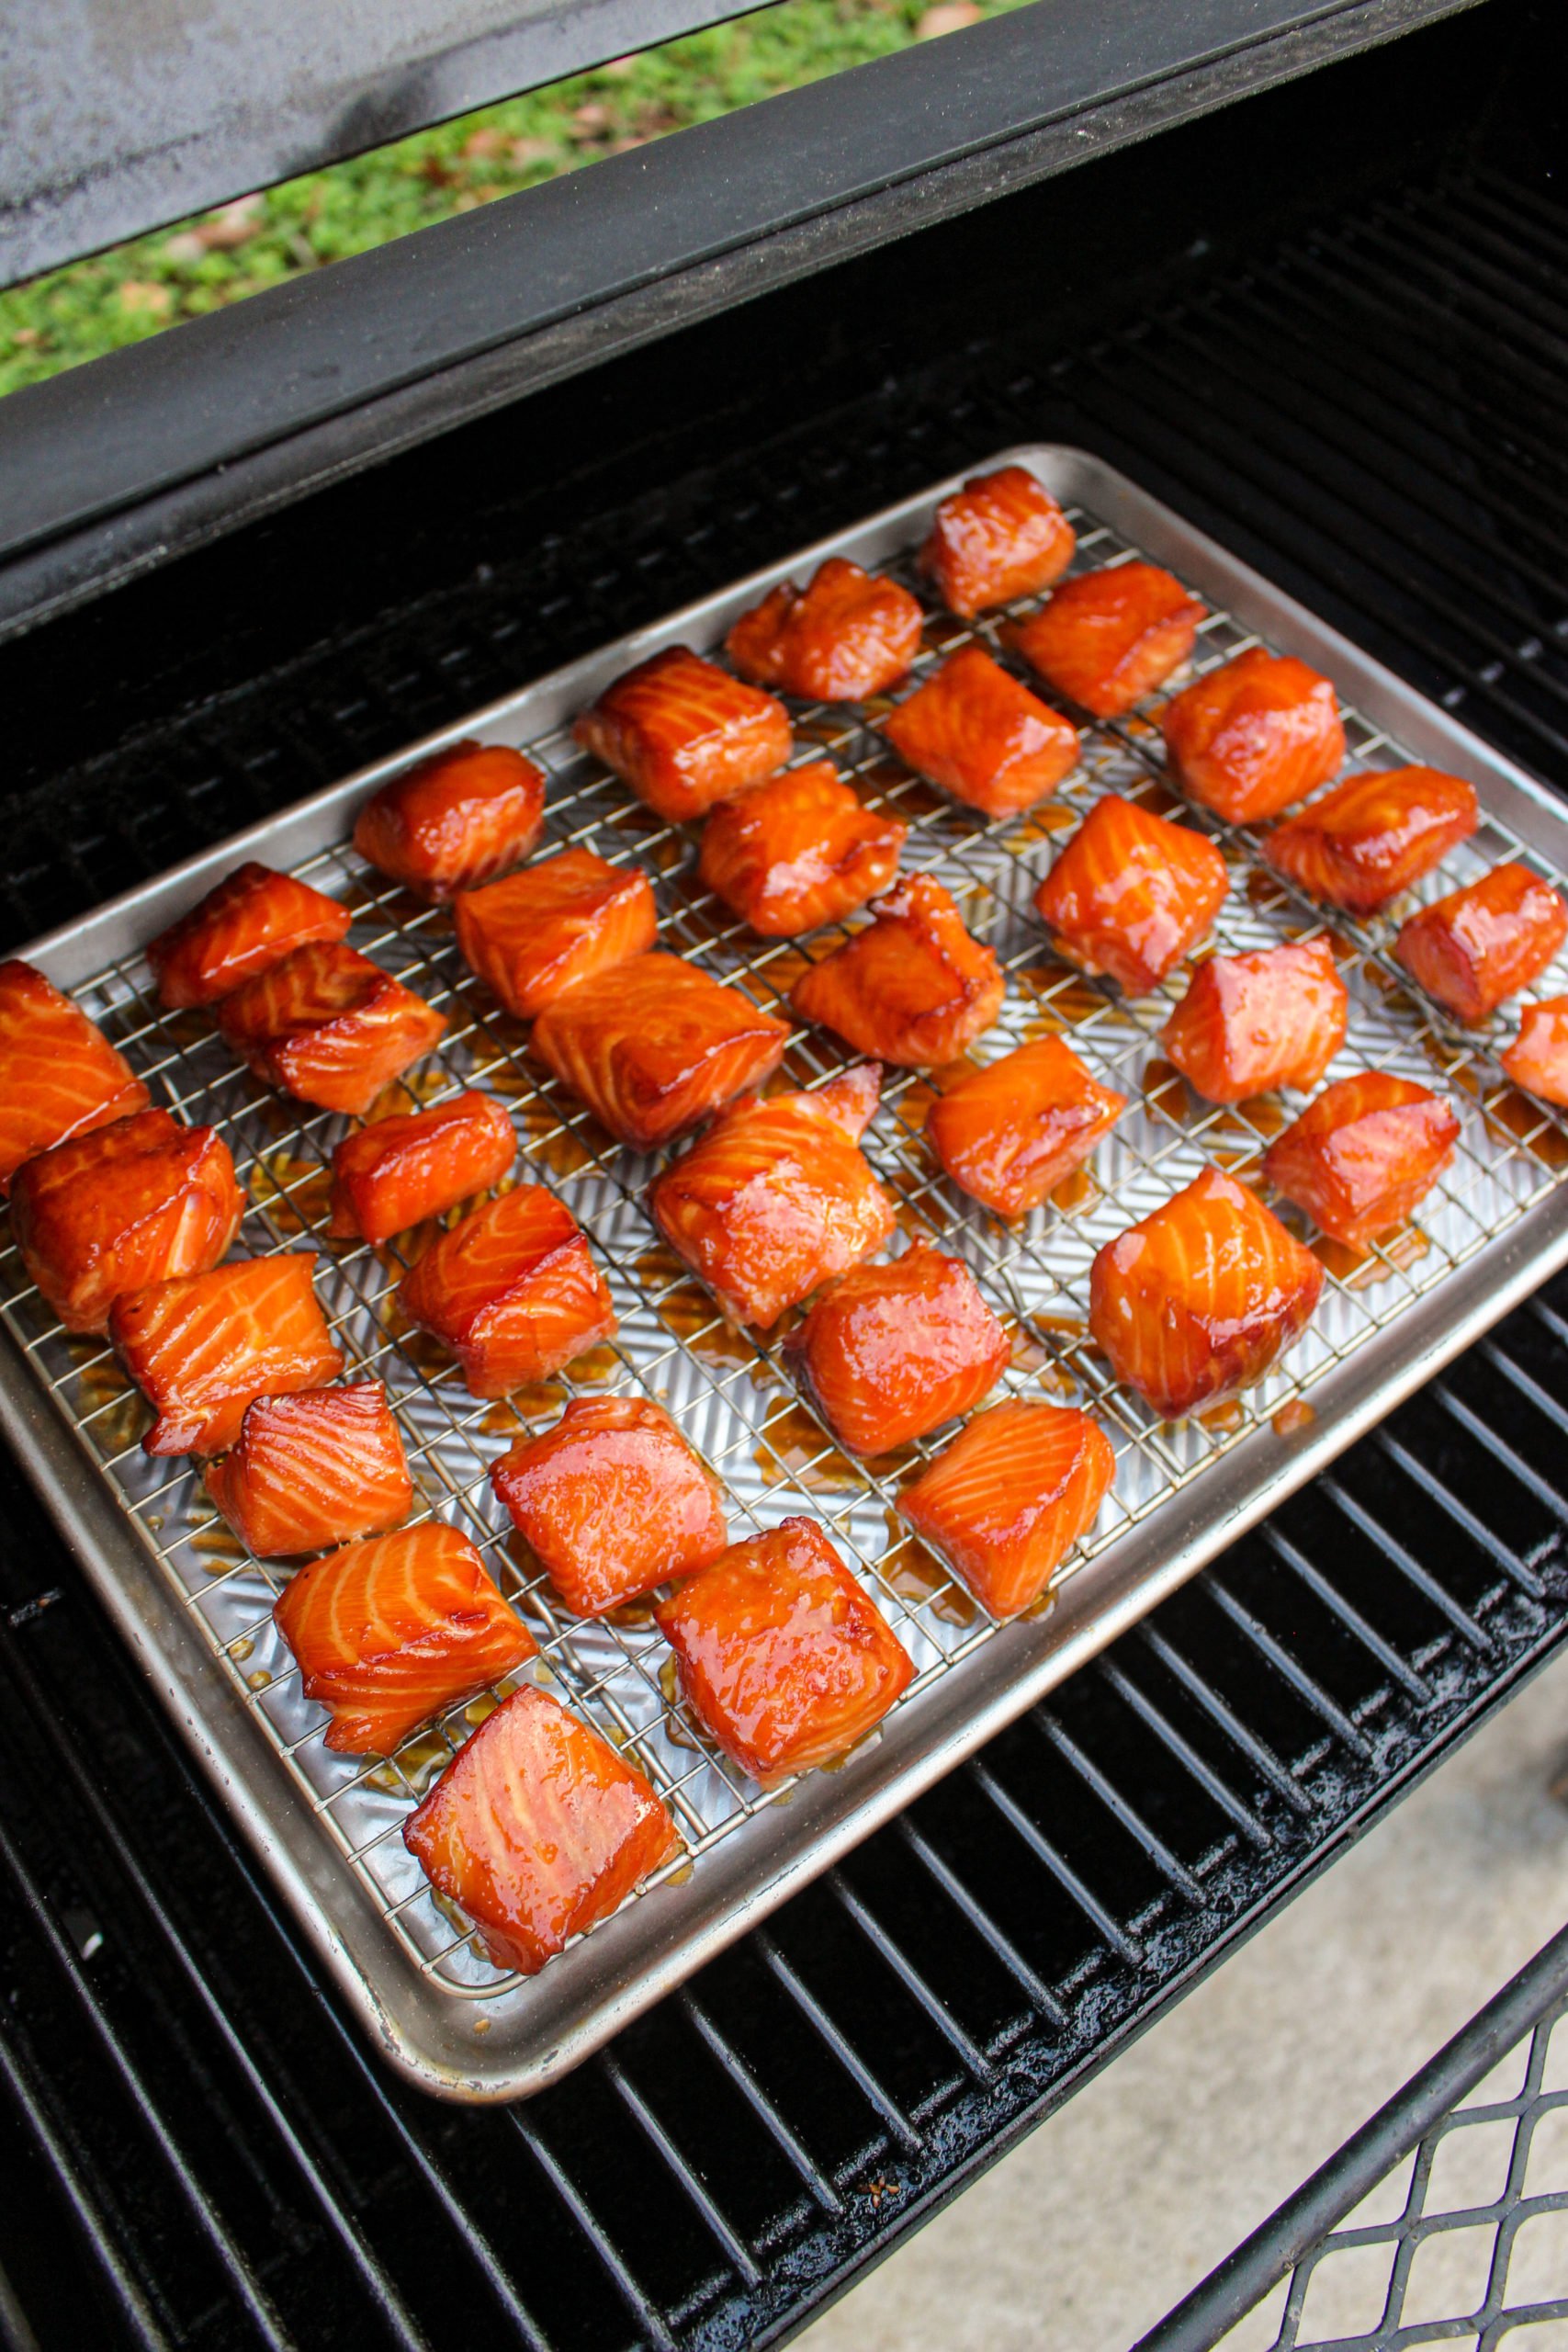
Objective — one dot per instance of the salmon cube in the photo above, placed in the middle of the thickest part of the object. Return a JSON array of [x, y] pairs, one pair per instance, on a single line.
[[685, 734], [313, 1469], [1373, 836], [1005, 1503], [850, 634], [982, 736], [1254, 735], [1011, 1133], [1108, 638], [1484, 943], [251, 920], [1361, 1157], [328, 1026], [1248, 1023], [889, 1352], [536, 933], [513, 1291], [453, 820], [418, 1164], [1538, 1058], [201, 1346], [1131, 894], [798, 851], [58, 1076], [1001, 537], [914, 987]]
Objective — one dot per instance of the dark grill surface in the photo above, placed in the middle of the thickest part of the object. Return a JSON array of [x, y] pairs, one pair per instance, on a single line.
[[245, 2173]]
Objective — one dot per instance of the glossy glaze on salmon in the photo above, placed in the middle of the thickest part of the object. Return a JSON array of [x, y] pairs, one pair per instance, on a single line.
[[777, 1196], [1108, 638], [1361, 1157], [1001, 537], [417, 1164], [58, 1076], [1131, 894], [1011, 1133], [850, 634], [539, 1829], [798, 851], [252, 919], [1373, 836], [889, 1352], [656, 1045], [780, 1655], [685, 734], [397, 1629], [513, 1291], [201, 1346], [1254, 735], [1199, 1298], [536, 933], [124, 1205], [913, 988], [1248, 1023], [313, 1469], [1481, 945], [453, 820], [329, 1026], [973, 729], [1538, 1058], [1004, 1504], [613, 1501]]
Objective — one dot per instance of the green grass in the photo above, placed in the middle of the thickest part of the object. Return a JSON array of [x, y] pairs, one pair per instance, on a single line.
[[139, 289]]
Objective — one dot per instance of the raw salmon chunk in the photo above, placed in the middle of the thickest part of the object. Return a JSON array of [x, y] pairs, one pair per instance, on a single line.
[[417, 1164], [539, 932], [122, 1206], [1484, 943], [1000, 537], [850, 634], [1009, 1133], [453, 820], [253, 919], [1373, 836], [1108, 638], [613, 1501], [1131, 894], [539, 1829], [777, 1196], [982, 736], [58, 1076], [779, 1653], [329, 1026], [397, 1629], [513, 1291], [1538, 1058], [1007, 1500], [798, 851], [1248, 1023], [1254, 735], [201, 1346], [914, 987], [656, 1045], [1198, 1299], [685, 734], [889, 1352], [1361, 1157], [313, 1469]]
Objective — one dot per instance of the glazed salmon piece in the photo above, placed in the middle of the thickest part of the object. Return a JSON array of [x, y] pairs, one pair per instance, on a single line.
[[329, 1026], [1198, 1299], [1484, 943], [1131, 894], [798, 851], [396, 1629], [685, 734], [613, 1501], [536, 933], [982, 736], [453, 820], [1254, 735], [913, 988], [201, 1346], [1248, 1023], [1361, 1157], [1538, 1058], [58, 1076], [418, 1164], [777, 1196], [513, 1291], [889, 1352], [850, 634], [252, 919], [1108, 638], [656, 1045], [780, 1655], [124, 1205], [539, 1829], [1011, 1133], [1373, 836], [313, 1469], [1002, 535], [1005, 1503]]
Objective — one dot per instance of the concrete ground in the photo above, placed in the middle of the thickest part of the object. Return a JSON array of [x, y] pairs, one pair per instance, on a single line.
[[1087, 2233]]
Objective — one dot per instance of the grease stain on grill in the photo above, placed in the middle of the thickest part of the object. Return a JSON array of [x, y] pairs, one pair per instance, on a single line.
[[680, 1725], [912, 1570], [1166, 1090], [1514, 1117], [1062, 1002], [516, 1415], [1041, 824], [1295, 1415], [294, 1195], [690, 1316], [1364, 1269], [795, 1450], [1265, 893], [595, 1367]]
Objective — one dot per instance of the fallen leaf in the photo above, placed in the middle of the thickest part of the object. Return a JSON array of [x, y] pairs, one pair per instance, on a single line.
[[591, 118], [950, 16], [26, 336], [186, 246], [524, 152], [141, 298], [234, 225], [484, 142]]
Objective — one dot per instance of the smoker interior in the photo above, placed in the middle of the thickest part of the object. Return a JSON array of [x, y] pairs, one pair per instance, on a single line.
[[1328, 324]]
